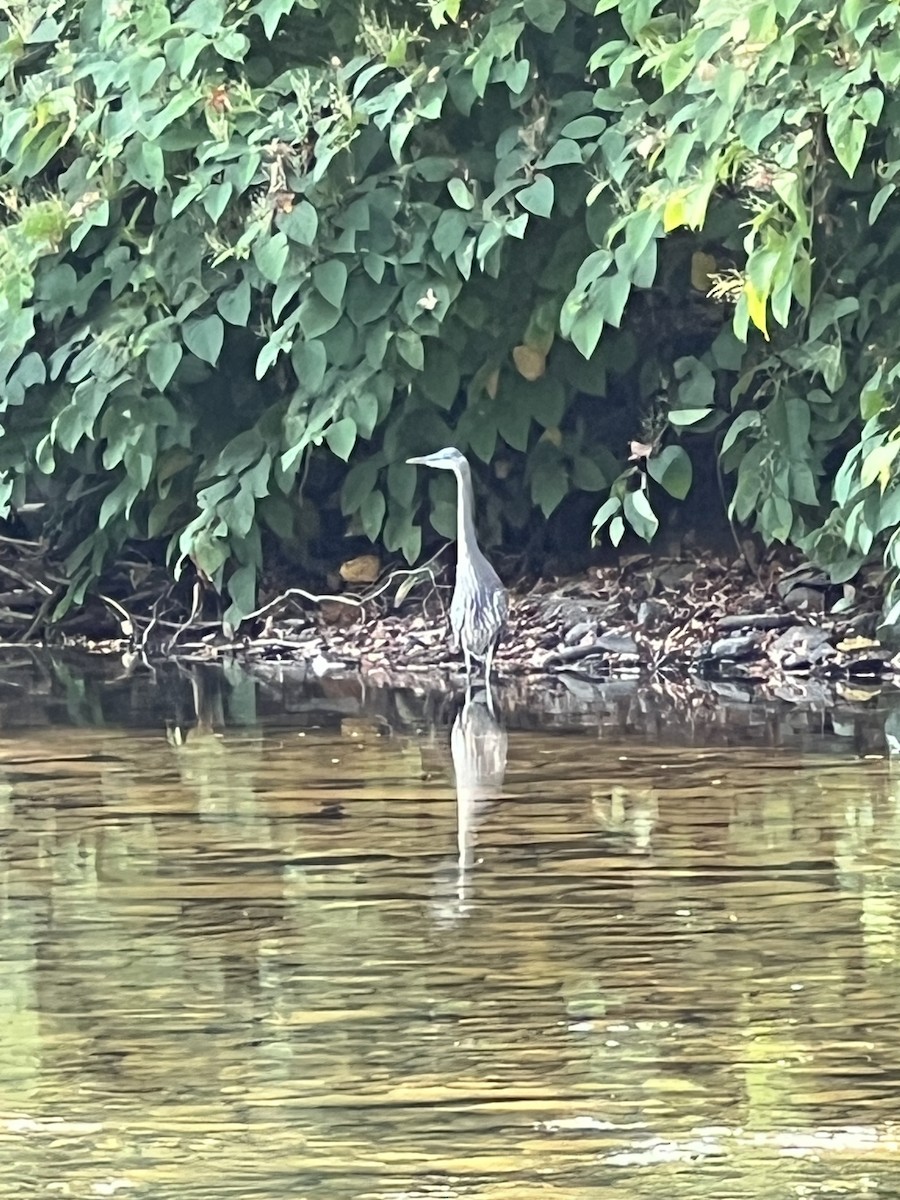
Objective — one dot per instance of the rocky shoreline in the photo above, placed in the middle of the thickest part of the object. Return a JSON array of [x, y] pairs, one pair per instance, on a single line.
[[693, 621], [781, 634]]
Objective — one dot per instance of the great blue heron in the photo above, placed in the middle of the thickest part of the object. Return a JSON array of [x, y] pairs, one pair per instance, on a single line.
[[479, 605]]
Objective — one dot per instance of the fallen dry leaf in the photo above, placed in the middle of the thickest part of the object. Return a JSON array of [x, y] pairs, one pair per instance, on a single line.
[[363, 569], [858, 643]]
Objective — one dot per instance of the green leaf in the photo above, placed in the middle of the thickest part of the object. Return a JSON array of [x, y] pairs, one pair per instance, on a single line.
[[270, 13], [870, 105], [549, 484], [680, 417], [372, 515], [588, 475], [44, 457], [401, 483], [162, 361], [232, 45], [204, 337], [271, 255], [409, 346], [363, 406], [460, 193], [234, 305], [607, 510], [270, 351], [330, 279], [341, 437], [144, 162], [358, 485], [301, 224], [640, 516], [514, 420], [563, 152], [317, 316], [114, 502], [538, 196], [672, 470], [584, 127], [242, 590], [546, 400], [441, 378], [585, 333], [373, 265], [545, 14], [309, 360], [848, 138], [206, 16], [696, 386], [882, 196], [449, 232]]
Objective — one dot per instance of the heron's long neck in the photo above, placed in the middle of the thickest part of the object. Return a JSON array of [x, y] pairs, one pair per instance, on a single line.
[[465, 517]]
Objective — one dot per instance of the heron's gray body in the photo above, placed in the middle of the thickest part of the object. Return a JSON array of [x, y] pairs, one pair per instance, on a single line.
[[479, 605], [478, 608]]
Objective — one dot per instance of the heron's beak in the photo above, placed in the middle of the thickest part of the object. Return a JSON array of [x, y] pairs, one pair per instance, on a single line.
[[423, 460]]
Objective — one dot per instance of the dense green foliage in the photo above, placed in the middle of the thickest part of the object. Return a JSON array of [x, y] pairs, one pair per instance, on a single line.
[[238, 235]]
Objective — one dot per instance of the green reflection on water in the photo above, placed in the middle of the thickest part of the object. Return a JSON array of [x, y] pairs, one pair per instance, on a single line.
[[355, 962]]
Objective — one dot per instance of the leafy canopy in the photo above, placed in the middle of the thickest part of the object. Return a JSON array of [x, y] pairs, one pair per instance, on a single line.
[[238, 234]]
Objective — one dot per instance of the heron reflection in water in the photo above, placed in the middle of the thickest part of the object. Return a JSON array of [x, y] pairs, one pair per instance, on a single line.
[[479, 606], [478, 747]]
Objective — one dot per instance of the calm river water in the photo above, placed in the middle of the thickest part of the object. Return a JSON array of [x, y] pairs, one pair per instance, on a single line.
[[306, 949]]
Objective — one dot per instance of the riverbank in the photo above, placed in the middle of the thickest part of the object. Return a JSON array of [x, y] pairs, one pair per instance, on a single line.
[[782, 630], [788, 634]]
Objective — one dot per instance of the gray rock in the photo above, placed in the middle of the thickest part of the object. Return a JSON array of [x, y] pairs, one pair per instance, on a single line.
[[578, 632], [617, 643], [651, 611], [745, 646], [801, 641], [754, 621], [808, 598]]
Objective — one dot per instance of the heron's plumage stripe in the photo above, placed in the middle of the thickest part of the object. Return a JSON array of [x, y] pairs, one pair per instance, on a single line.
[[478, 610]]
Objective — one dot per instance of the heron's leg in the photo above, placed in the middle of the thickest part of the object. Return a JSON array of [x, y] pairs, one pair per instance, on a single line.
[[467, 659]]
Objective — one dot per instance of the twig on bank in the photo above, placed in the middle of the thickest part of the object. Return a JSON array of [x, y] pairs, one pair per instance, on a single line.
[[38, 617], [196, 601], [31, 584], [354, 601], [154, 617], [126, 621]]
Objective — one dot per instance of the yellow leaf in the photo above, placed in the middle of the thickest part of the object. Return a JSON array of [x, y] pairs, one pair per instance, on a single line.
[[553, 435], [674, 213], [879, 464], [702, 266], [857, 643], [756, 307], [857, 695], [696, 201], [530, 362], [364, 569], [492, 382]]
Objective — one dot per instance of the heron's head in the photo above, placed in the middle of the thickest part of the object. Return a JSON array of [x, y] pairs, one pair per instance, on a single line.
[[448, 459]]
